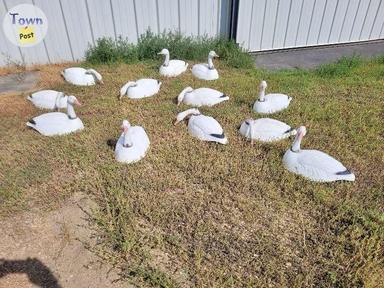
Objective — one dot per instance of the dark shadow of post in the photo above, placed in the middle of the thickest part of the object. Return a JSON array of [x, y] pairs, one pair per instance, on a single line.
[[37, 272]]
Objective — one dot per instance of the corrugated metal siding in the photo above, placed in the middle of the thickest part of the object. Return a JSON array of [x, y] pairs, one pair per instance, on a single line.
[[276, 24], [75, 24]]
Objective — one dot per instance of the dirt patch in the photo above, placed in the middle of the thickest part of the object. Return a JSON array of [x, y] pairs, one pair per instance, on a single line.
[[47, 250]]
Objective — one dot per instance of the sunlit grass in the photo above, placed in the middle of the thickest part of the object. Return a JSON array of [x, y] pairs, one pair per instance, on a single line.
[[199, 214]]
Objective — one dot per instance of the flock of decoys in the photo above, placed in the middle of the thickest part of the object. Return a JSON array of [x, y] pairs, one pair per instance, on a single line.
[[134, 142]]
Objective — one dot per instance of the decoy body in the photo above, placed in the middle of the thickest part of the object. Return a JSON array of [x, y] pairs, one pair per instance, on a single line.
[[313, 164], [57, 123], [201, 97], [48, 99], [271, 103], [82, 77], [206, 71], [132, 144], [171, 68], [202, 127], [265, 130], [140, 89]]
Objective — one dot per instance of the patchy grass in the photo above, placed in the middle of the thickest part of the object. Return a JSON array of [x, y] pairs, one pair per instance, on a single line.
[[195, 214], [107, 50]]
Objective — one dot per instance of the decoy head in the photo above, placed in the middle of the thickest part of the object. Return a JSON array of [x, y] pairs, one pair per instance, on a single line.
[[212, 54], [73, 100], [96, 74], [263, 84], [180, 98], [182, 115], [125, 126], [301, 132], [163, 52]]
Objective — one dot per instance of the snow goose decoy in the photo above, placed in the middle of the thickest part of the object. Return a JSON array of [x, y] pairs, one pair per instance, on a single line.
[[202, 127], [140, 89], [48, 99], [82, 77], [206, 71], [313, 164], [201, 96], [171, 68], [57, 123], [265, 130], [271, 103], [132, 144]]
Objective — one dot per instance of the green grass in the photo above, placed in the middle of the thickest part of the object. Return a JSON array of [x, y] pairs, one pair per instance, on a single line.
[[109, 51], [343, 67], [195, 214]]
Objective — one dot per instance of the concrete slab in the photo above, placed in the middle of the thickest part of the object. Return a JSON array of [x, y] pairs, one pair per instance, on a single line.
[[19, 82], [310, 57]]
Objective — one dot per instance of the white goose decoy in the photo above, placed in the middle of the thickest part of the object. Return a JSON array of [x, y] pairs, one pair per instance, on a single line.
[[171, 68], [202, 127], [140, 89], [132, 144], [206, 71], [201, 96], [82, 77], [48, 99], [271, 103], [265, 130], [313, 164], [57, 123]]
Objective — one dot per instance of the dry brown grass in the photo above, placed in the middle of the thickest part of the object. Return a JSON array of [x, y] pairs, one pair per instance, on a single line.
[[199, 214]]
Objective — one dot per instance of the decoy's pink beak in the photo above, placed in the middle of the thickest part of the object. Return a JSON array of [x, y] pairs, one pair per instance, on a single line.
[[77, 103]]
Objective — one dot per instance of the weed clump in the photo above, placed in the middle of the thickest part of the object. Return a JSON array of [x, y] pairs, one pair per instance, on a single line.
[[342, 67], [149, 44]]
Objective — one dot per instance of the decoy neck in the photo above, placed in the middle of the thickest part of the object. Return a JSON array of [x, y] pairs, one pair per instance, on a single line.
[[182, 115], [181, 96], [301, 131], [211, 55], [166, 53], [124, 89], [263, 86], [70, 110], [96, 75], [127, 141]]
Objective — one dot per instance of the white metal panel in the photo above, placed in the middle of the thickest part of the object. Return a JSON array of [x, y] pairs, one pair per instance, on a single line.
[[208, 13], [305, 20], [329, 17], [124, 18], [189, 17], [9, 53], [56, 40], [377, 25], [78, 26], [369, 20], [274, 24], [359, 20], [100, 17], [269, 24], [281, 23], [146, 16], [168, 13], [338, 21], [294, 17], [244, 19], [317, 19], [256, 24]]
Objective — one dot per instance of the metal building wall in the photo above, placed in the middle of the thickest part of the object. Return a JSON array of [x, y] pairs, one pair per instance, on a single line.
[[276, 24], [74, 24]]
